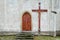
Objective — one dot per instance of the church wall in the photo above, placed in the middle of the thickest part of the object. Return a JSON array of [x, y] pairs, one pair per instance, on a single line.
[[52, 21], [58, 15], [58, 22], [45, 16], [28, 6], [12, 16], [2, 18], [56, 7], [15, 9]]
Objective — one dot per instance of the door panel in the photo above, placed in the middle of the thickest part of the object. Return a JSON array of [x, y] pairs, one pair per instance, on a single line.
[[26, 22]]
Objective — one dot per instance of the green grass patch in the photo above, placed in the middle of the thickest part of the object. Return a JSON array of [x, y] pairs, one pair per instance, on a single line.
[[35, 38], [44, 38], [7, 37], [57, 37]]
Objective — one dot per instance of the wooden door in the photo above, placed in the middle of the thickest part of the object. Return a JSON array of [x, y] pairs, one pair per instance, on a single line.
[[26, 22]]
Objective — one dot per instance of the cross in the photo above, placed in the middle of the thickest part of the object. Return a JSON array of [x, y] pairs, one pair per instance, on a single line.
[[39, 15]]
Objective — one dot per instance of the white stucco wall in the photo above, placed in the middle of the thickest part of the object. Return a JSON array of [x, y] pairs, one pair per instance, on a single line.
[[12, 16], [58, 15], [56, 7], [2, 15], [58, 21], [14, 10]]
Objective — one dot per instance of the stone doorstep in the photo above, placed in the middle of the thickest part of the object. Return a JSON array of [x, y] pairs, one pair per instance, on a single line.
[[24, 39], [25, 35], [21, 34]]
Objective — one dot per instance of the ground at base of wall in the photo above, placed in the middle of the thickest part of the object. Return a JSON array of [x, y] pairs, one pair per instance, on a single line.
[[57, 37], [35, 37], [44, 38]]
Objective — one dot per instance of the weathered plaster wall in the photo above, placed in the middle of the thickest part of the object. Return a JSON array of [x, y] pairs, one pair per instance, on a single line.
[[56, 7], [12, 16], [14, 10], [2, 15]]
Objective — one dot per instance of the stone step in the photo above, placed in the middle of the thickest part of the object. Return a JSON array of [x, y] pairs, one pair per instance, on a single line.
[[24, 39], [24, 35], [19, 35]]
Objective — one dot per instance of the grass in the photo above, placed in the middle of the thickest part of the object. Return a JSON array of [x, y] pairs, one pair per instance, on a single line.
[[35, 38], [44, 38], [57, 37], [7, 37]]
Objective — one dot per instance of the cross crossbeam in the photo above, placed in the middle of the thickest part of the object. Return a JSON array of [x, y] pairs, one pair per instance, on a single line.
[[39, 14]]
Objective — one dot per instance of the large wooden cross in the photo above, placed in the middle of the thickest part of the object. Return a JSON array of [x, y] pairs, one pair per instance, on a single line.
[[39, 15]]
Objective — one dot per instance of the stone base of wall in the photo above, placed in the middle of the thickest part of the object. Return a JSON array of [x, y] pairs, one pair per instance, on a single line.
[[51, 33], [58, 33], [8, 33]]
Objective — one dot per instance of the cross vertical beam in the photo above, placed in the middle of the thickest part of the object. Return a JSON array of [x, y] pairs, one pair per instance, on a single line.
[[39, 15]]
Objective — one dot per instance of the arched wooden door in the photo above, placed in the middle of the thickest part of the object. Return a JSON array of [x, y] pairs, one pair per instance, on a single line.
[[26, 22]]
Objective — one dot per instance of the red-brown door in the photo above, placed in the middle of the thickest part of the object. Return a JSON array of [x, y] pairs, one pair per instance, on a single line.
[[26, 22]]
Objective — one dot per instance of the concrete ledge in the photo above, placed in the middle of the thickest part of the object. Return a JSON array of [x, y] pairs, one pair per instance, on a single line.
[[8, 33], [35, 33], [58, 33], [48, 33]]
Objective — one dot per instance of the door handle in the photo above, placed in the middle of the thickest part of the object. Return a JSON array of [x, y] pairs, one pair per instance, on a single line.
[[54, 12]]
